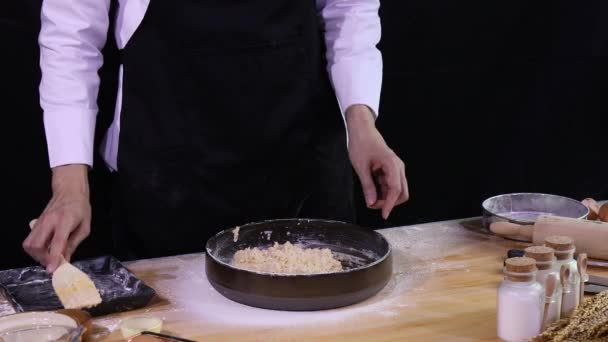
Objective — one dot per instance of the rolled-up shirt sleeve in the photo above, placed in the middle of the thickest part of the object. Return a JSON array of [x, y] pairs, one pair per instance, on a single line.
[[352, 32], [72, 34]]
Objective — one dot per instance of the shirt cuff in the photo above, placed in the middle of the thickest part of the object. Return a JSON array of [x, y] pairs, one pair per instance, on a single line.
[[356, 84], [69, 135]]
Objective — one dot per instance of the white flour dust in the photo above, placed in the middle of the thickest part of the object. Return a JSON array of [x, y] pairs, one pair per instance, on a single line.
[[191, 294], [418, 252], [414, 252], [5, 307]]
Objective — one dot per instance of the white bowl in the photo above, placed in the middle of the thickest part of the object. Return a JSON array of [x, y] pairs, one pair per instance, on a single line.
[[36, 327]]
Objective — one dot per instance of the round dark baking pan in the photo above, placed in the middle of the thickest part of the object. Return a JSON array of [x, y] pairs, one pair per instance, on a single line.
[[365, 256]]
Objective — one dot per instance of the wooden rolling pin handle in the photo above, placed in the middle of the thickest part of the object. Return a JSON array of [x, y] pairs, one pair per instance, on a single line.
[[504, 228], [594, 208], [603, 213], [589, 236]]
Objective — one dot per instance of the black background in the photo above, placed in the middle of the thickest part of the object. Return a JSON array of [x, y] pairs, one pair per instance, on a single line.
[[479, 98]]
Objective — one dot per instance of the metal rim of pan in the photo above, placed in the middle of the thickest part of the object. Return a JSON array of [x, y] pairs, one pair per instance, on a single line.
[[485, 204]]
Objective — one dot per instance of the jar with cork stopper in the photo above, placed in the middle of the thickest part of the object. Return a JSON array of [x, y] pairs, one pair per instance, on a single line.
[[566, 264], [545, 263], [520, 301]]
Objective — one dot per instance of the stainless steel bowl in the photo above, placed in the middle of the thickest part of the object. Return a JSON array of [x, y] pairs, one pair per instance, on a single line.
[[524, 208]]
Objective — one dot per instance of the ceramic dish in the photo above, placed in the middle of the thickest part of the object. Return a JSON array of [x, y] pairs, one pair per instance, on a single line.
[[39, 327]]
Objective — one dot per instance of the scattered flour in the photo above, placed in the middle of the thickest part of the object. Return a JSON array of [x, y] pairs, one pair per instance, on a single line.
[[194, 296], [5, 307], [418, 252]]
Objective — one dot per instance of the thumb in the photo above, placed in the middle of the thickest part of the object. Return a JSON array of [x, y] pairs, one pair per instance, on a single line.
[[368, 186], [54, 262], [56, 255]]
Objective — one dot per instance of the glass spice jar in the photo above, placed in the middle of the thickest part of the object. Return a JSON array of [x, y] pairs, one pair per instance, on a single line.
[[545, 263], [520, 301], [564, 252]]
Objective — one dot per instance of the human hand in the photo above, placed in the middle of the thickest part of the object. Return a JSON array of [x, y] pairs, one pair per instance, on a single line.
[[375, 163], [66, 220]]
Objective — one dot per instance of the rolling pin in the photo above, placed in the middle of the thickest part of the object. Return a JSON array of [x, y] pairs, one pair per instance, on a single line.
[[589, 237]]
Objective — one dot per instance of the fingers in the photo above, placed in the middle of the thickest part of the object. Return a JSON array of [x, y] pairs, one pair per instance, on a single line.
[[77, 237], [368, 186], [382, 186], [36, 244], [391, 180], [59, 242], [405, 193], [392, 177], [52, 238]]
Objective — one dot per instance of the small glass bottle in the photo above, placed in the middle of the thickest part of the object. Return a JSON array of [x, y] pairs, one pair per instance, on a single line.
[[520, 301], [545, 263], [564, 253]]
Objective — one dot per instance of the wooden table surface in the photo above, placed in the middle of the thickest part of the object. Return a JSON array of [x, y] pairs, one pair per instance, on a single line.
[[443, 289]]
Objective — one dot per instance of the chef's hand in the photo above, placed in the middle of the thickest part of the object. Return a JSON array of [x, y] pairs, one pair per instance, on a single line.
[[65, 221], [374, 162]]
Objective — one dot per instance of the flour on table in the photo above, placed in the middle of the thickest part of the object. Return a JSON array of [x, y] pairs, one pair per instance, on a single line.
[[418, 253]]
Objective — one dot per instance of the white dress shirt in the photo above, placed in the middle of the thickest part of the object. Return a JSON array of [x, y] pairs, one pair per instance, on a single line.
[[73, 32]]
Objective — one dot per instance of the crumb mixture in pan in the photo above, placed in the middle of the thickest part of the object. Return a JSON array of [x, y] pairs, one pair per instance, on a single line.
[[287, 259]]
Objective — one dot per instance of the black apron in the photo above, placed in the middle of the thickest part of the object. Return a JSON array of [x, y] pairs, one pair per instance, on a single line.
[[228, 117]]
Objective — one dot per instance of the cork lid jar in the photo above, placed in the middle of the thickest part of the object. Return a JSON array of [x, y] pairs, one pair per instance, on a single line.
[[520, 269], [544, 256], [563, 246]]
